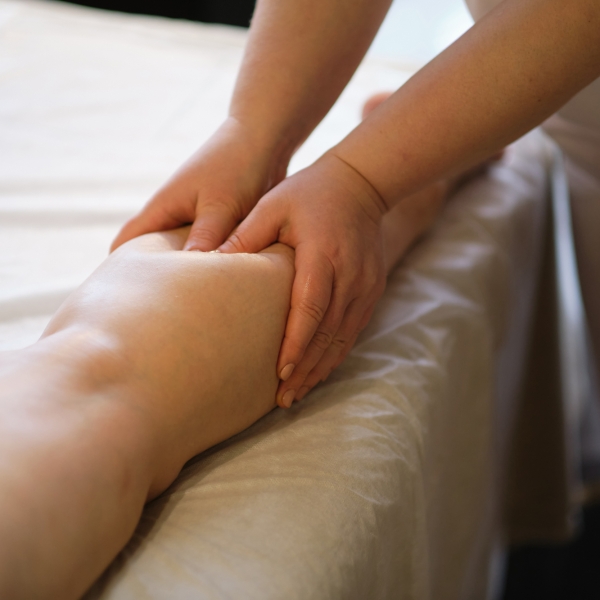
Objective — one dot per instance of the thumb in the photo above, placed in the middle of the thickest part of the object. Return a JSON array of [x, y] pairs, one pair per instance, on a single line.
[[211, 226], [256, 232]]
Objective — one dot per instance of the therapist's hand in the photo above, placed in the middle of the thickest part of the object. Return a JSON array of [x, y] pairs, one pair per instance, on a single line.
[[215, 189], [331, 216]]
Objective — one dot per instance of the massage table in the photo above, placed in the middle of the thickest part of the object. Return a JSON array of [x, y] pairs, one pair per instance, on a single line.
[[389, 480]]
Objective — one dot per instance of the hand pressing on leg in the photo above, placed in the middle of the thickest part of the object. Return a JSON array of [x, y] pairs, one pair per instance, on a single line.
[[337, 224]]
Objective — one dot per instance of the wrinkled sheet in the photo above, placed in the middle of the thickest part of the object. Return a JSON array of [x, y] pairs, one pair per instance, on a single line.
[[385, 482]]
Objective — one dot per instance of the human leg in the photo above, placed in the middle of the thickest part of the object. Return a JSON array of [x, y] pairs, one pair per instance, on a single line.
[[159, 355]]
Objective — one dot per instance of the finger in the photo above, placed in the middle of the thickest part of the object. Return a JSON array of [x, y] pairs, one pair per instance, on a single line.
[[324, 337], [326, 366], [256, 232], [333, 356], [152, 218], [341, 344], [210, 228], [317, 375], [357, 316], [364, 322], [313, 378], [311, 294]]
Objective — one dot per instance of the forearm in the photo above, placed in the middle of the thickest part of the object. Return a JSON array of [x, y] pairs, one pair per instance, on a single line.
[[506, 75], [299, 57]]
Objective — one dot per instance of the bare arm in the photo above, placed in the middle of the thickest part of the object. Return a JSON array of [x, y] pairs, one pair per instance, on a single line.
[[507, 74], [300, 56]]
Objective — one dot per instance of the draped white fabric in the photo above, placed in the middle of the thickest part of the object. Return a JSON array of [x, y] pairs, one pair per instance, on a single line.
[[383, 483]]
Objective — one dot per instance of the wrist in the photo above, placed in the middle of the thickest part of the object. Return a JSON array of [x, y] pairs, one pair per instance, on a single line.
[[270, 147], [373, 202]]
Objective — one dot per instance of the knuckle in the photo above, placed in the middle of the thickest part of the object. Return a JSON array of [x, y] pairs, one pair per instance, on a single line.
[[339, 342], [231, 209], [236, 241], [203, 234], [322, 339], [312, 310]]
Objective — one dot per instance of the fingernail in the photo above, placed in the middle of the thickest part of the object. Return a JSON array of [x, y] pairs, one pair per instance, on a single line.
[[286, 372], [303, 391], [288, 398], [212, 251]]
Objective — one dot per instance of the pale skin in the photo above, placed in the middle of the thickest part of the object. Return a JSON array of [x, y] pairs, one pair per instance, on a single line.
[[158, 356], [508, 73]]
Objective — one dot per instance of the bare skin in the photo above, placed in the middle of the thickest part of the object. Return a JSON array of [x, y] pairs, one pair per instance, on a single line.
[[159, 355], [509, 72]]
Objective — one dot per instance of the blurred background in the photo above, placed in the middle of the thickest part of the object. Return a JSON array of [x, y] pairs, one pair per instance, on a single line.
[[413, 32], [229, 12]]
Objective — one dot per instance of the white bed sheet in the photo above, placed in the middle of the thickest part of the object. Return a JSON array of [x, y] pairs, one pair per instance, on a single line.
[[383, 483]]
